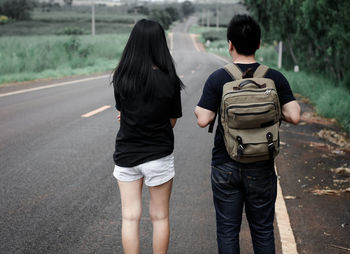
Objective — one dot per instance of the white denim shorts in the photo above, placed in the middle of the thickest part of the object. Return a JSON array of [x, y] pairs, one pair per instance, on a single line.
[[155, 172]]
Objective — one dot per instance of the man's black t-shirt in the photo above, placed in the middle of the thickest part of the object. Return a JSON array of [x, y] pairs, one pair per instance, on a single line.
[[211, 100], [145, 131]]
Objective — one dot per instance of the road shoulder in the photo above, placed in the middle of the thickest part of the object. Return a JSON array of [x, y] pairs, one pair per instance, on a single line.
[[317, 197]]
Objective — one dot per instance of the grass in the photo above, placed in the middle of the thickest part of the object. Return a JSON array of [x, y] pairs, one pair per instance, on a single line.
[[329, 99], [108, 20], [55, 56], [36, 48]]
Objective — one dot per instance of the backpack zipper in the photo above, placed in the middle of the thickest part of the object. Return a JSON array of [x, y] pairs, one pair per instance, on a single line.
[[266, 91], [253, 113], [249, 106]]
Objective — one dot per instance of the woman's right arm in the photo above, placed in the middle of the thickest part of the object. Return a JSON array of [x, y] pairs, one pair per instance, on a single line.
[[173, 122]]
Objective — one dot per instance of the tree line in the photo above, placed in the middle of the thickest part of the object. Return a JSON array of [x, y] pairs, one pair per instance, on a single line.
[[316, 33], [21, 10]]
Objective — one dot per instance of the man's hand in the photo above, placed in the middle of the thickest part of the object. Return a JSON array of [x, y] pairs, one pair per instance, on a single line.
[[204, 116], [291, 112]]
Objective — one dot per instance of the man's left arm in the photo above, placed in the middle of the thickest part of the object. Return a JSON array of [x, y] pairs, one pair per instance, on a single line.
[[204, 116], [291, 112]]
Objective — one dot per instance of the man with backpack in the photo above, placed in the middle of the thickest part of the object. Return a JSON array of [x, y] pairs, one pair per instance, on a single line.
[[250, 101]]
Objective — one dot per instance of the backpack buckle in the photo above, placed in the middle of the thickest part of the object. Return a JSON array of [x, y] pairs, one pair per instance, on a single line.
[[270, 145], [240, 148]]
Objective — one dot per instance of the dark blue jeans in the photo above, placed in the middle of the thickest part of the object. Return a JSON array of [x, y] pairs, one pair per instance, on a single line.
[[253, 186]]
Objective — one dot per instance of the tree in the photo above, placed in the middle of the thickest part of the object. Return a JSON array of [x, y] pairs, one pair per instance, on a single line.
[[316, 32], [68, 2], [187, 8], [160, 16], [173, 12], [17, 9]]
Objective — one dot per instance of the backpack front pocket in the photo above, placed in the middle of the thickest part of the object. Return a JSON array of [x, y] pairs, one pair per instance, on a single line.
[[251, 115]]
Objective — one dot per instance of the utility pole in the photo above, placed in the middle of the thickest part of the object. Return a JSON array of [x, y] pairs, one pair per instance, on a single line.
[[93, 18], [217, 17], [203, 17], [135, 18], [208, 21], [280, 46]]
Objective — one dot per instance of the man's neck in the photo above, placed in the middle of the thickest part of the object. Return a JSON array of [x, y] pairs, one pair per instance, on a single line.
[[242, 59]]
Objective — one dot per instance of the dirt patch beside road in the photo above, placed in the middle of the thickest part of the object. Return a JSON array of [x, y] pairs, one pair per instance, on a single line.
[[313, 166]]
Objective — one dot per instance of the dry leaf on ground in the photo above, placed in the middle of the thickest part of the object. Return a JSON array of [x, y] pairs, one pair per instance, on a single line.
[[341, 170], [334, 137]]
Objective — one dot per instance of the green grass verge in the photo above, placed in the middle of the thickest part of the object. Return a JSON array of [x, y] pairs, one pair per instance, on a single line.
[[330, 100], [34, 57]]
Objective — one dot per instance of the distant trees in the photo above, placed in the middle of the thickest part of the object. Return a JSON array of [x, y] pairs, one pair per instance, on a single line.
[[139, 9], [187, 8], [17, 9], [316, 33], [164, 16], [68, 2]]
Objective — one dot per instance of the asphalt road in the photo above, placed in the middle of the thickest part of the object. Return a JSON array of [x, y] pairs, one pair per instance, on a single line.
[[57, 191]]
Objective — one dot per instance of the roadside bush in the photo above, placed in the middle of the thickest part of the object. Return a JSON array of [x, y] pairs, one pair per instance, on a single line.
[[161, 16], [71, 31], [214, 35], [75, 50]]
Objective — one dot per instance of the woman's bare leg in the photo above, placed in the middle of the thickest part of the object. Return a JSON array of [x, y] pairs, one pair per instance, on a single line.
[[159, 212], [131, 197]]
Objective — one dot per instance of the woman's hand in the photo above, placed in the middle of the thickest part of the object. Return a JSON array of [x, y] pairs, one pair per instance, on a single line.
[[118, 116]]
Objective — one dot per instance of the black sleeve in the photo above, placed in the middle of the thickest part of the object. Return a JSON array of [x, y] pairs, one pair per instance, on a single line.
[[284, 91], [211, 96], [175, 107]]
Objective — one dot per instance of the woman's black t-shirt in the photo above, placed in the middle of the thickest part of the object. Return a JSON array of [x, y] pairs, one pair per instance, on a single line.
[[145, 132]]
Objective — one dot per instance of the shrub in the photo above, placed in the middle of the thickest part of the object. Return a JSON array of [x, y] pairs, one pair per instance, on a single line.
[[161, 16], [71, 31], [214, 35]]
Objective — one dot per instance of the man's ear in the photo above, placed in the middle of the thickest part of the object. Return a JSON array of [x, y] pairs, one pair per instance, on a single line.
[[230, 46]]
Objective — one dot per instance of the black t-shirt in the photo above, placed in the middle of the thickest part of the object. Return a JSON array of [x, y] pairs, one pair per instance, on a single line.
[[145, 131], [211, 100]]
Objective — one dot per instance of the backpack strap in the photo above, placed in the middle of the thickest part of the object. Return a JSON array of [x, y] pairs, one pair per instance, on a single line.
[[211, 125], [261, 71], [234, 71]]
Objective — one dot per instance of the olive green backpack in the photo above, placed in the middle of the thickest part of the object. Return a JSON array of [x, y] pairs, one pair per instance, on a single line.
[[250, 116]]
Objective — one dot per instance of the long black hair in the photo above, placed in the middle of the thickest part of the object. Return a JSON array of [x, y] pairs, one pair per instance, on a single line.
[[145, 50]]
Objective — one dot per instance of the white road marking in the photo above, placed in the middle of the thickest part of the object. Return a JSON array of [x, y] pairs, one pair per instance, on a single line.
[[54, 85], [288, 243], [194, 42], [96, 111]]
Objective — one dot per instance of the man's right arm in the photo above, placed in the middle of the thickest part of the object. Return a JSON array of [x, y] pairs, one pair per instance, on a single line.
[[291, 112], [204, 116]]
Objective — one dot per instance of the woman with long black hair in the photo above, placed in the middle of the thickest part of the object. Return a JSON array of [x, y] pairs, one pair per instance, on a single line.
[[147, 95]]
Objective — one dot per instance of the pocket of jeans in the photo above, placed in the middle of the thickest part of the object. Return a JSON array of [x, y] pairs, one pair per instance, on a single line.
[[263, 185], [220, 175]]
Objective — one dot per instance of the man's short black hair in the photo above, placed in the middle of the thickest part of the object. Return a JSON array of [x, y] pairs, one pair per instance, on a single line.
[[244, 33]]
